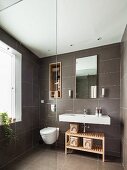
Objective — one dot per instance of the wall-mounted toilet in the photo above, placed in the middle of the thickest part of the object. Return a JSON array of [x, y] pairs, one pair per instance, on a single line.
[[49, 134]]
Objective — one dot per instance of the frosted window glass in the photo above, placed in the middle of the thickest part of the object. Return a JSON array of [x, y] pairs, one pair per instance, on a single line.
[[10, 82], [6, 82]]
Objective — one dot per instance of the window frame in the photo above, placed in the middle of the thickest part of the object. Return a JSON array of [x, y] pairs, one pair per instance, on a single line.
[[17, 79]]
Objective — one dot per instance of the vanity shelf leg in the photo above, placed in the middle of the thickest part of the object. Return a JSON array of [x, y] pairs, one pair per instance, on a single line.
[[65, 143], [103, 149]]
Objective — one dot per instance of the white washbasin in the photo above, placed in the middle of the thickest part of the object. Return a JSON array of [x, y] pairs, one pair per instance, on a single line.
[[81, 118]]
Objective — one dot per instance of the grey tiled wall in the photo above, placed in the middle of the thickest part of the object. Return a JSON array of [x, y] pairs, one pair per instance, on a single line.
[[108, 77], [123, 101], [27, 130]]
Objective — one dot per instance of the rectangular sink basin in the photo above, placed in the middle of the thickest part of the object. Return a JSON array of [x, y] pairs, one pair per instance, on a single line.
[[81, 118]]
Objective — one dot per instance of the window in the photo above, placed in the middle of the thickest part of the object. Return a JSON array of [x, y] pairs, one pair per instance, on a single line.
[[10, 81]]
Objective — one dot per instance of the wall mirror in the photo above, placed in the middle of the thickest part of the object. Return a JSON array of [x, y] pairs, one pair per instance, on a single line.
[[86, 77]]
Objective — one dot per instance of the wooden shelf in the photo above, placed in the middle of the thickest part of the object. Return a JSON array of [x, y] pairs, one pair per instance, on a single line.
[[99, 149], [99, 136], [55, 80], [95, 149]]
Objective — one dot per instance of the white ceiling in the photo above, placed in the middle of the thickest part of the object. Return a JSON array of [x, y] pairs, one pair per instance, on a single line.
[[7, 3], [79, 24]]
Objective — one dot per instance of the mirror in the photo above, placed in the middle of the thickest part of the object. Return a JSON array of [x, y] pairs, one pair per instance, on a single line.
[[86, 77]]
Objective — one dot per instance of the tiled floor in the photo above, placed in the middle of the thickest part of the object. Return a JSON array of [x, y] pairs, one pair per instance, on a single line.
[[50, 159]]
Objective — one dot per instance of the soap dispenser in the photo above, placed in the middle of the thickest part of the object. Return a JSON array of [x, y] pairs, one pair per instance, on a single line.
[[96, 111], [100, 111]]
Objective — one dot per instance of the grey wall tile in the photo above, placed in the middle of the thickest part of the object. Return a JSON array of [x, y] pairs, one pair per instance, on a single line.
[[27, 70], [27, 94], [7, 152], [109, 66], [89, 104], [109, 79], [68, 82], [35, 95], [110, 91], [68, 71], [113, 145], [110, 105]]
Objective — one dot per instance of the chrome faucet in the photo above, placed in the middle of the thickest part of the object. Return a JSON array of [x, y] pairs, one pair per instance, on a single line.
[[85, 111]]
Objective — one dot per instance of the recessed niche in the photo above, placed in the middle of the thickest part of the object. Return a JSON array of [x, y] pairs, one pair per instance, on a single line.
[[55, 80]]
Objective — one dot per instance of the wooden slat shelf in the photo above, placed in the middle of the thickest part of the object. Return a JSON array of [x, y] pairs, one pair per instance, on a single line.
[[99, 149], [98, 136], [95, 149]]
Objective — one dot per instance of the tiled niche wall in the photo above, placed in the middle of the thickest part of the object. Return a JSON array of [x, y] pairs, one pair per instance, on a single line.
[[123, 102], [108, 77], [27, 130]]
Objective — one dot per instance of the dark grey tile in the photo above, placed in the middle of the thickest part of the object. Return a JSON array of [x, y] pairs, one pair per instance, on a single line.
[[64, 106], [89, 104], [7, 151], [112, 131], [36, 70], [27, 121], [36, 117], [110, 91], [68, 82], [113, 145], [110, 51], [36, 136], [109, 66], [27, 70], [68, 71], [44, 73], [23, 142], [27, 94], [44, 85], [109, 79], [110, 106], [35, 95]]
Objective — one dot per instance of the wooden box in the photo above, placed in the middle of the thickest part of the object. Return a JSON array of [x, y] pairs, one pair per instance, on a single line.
[[87, 143], [74, 141], [74, 128]]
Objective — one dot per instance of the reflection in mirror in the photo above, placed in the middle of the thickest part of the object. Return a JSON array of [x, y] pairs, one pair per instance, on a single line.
[[86, 77]]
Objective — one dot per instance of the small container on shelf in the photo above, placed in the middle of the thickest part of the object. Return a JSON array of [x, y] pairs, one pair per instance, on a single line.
[[56, 95], [74, 128], [87, 143], [74, 141]]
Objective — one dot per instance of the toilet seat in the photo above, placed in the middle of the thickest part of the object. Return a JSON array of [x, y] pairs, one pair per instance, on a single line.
[[47, 130]]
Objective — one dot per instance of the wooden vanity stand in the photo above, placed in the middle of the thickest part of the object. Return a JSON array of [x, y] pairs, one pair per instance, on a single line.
[[99, 149]]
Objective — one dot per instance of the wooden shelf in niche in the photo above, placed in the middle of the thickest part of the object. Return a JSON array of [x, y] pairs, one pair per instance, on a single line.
[[55, 80]]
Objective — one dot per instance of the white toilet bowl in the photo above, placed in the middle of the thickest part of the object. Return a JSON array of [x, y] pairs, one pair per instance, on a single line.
[[49, 134]]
